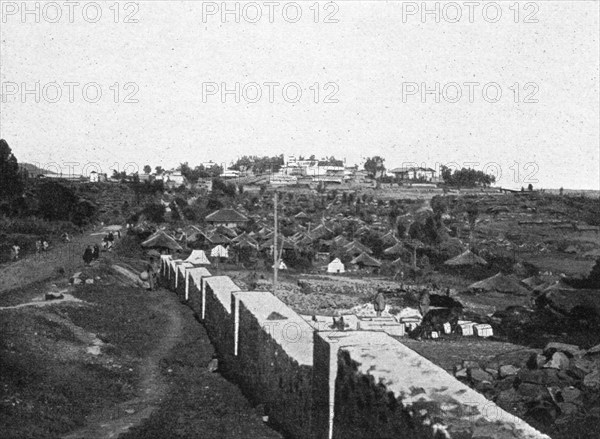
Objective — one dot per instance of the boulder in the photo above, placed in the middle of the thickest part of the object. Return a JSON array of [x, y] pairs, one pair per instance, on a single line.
[[507, 398], [517, 358], [531, 376], [544, 412], [461, 372], [571, 394], [53, 296], [533, 392], [536, 361], [570, 349], [478, 375], [506, 383], [568, 408], [592, 380], [507, 370], [493, 372], [558, 361], [469, 364], [77, 281], [594, 351]]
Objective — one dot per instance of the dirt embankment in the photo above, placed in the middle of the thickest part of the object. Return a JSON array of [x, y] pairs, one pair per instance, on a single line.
[[111, 359]]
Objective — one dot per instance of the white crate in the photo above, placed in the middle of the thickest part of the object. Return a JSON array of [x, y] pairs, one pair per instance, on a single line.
[[435, 334], [447, 328], [483, 330], [465, 328]]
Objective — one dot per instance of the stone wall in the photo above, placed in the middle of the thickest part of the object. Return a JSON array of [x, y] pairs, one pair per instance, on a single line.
[[377, 387], [274, 358], [320, 384], [217, 318]]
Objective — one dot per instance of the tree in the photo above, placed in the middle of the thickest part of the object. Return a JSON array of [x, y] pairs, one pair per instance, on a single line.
[[154, 212], [375, 167], [11, 182], [466, 177], [159, 170], [530, 187], [147, 169]]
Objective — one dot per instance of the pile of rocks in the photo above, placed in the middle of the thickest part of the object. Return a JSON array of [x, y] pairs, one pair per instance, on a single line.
[[550, 386]]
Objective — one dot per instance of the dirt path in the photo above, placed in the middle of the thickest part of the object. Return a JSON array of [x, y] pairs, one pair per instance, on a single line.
[[36, 268], [112, 422]]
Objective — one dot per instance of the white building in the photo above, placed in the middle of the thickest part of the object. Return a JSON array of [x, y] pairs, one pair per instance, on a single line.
[[336, 266]]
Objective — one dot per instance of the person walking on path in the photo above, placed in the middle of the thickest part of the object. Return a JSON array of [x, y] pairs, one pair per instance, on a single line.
[[151, 273], [424, 302], [15, 252], [379, 303], [88, 255]]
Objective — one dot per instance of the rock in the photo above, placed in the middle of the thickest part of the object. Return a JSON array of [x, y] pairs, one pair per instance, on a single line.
[[558, 361], [536, 361], [130, 411], [592, 379], [506, 383], [507, 398], [517, 358], [77, 281], [478, 375], [89, 281], [53, 296], [544, 412], [531, 376], [571, 394], [213, 365], [571, 349], [470, 364], [568, 408], [581, 365], [461, 372], [594, 351], [492, 372], [533, 391], [566, 378], [507, 370]]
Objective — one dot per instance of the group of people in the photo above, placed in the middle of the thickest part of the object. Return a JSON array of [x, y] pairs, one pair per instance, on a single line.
[[109, 239], [91, 254], [41, 245]]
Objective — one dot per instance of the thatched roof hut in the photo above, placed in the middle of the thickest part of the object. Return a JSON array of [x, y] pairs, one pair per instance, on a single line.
[[161, 240], [466, 258], [500, 283]]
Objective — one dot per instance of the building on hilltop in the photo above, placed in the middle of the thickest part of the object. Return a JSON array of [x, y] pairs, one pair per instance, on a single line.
[[97, 177], [227, 217], [423, 174]]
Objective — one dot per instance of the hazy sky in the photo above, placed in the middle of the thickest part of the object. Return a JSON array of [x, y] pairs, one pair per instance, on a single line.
[[369, 61]]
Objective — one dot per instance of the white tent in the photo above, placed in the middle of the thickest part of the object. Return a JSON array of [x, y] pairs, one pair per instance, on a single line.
[[198, 257], [336, 266], [219, 252]]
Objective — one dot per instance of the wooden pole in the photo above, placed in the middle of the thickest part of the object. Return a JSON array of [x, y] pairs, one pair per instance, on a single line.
[[275, 252]]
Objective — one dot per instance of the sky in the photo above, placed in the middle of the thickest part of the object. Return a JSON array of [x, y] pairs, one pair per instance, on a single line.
[[513, 91]]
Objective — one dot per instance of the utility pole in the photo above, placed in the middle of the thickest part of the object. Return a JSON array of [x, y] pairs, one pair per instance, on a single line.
[[275, 252]]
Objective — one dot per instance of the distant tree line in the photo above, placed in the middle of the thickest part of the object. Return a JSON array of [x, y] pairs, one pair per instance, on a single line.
[[466, 177], [258, 165], [50, 200]]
